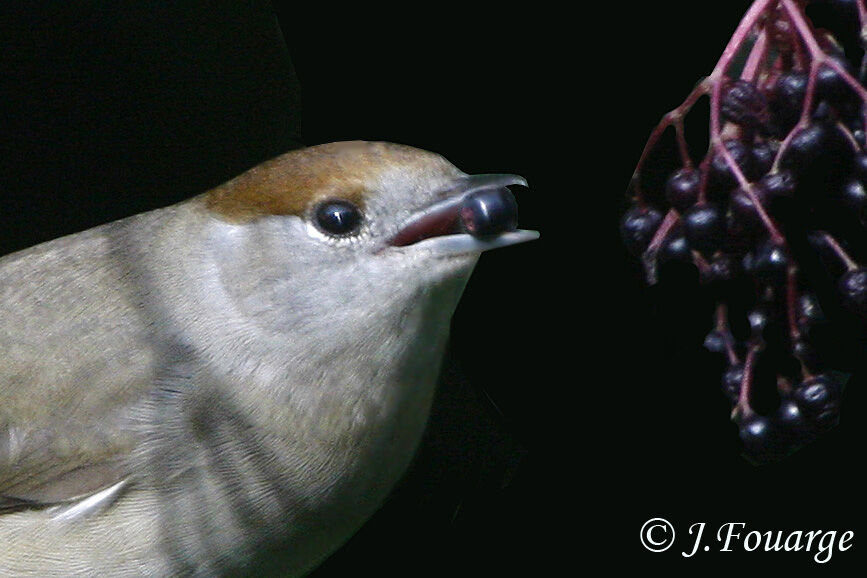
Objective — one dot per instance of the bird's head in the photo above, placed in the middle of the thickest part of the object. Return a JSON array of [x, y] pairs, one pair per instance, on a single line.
[[352, 235], [317, 290]]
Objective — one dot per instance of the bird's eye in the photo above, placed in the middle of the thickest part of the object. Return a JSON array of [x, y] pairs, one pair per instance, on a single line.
[[338, 217]]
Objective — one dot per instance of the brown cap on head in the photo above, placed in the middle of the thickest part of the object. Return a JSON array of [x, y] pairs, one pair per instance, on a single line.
[[290, 183]]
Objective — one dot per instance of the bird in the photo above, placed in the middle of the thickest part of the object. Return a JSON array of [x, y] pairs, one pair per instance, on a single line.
[[249, 370]]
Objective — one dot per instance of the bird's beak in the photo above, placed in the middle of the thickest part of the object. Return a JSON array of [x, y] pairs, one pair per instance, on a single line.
[[441, 228]]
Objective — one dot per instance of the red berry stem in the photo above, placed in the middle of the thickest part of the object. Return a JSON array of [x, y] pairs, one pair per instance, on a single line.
[[862, 18], [675, 117], [743, 409], [722, 328], [649, 256], [758, 54], [672, 118], [716, 80], [818, 55], [782, 102], [784, 386], [792, 303], [850, 140], [741, 34], [839, 251]]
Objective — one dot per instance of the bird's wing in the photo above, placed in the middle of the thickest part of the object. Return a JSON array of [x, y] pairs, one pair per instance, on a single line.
[[41, 468], [76, 355]]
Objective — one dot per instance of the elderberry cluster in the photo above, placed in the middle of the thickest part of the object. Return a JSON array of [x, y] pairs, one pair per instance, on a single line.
[[773, 216]]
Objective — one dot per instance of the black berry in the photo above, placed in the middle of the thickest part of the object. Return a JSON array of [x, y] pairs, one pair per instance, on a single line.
[[792, 421], [762, 157], [859, 166], [778, 184], [731, 381], [853, 290], [806, 146], [787, 98], [758, 320], [830, 84], [675, 248], [828, 417], [720, 269], [704, 227], [815, 393], [744, 104], [681, 189], [490, 212], [770, 262], [807, 355], [809, 312], [720, 172], [761, 438], [715, 342], [743, 209], [853, 196]]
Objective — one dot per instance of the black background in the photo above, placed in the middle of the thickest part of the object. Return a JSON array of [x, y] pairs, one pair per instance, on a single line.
[[608, 410]]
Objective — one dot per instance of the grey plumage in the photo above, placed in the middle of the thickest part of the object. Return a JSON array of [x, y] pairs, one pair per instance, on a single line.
[[186, 388]]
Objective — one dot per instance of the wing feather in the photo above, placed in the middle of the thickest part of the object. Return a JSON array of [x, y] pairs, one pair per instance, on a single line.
[[76, 353]]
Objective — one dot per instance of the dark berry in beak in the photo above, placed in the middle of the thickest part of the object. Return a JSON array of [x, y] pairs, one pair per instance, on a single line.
[[489, 212]]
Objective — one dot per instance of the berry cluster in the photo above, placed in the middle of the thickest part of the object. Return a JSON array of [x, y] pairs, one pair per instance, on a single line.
[[772, 216]]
